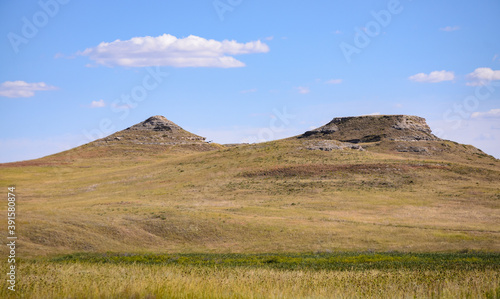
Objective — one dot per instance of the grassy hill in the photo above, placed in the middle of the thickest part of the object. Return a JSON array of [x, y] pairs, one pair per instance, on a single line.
[[371, 207], [281, 196]]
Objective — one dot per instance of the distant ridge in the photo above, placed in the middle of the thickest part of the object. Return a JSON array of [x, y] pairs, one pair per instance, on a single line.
[[373, 128], [389, 134]]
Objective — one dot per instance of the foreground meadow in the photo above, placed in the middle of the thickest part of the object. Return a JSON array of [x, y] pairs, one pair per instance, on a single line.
[[324, 275]]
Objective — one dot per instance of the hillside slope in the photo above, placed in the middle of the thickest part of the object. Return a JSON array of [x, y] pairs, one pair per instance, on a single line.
[[314, 192]]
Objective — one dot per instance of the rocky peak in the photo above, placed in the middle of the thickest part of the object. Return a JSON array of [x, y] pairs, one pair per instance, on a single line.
[[373, 128], [156, 130], [156, 123]]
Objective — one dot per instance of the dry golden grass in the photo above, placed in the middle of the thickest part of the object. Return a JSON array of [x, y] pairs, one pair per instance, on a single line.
[[85, 280], [271, 197]]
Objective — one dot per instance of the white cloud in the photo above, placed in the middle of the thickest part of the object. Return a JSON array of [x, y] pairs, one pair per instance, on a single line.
[[334, 81], [21, 89], [269, 38], [303, 90], [449, 28], [433, 77], [168, 50], [374, 113], [482, 75], [337, 32], [493, 113], [98, 104], [249, 90]]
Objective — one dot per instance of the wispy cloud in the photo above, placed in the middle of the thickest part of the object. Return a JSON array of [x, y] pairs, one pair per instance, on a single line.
[[168, 50], [303, 90], [433, 77], [249, 90], [482, 76], [337, 32], [63, 56], [269, 38], [98, 104], [21, 89], [493, 113], [334, 81], [125, 106], [450, 28]]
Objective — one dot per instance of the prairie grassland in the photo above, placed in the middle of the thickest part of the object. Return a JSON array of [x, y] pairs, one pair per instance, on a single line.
[[271, 197], [339, 275]]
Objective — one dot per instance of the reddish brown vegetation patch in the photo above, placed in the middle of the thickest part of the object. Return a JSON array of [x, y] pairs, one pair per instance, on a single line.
[[327, 169]]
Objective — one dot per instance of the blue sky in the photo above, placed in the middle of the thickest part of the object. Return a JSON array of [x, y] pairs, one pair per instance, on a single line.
[[243, 71]]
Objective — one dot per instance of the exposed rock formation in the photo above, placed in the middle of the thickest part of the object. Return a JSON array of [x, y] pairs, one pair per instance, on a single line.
[[365, 129], [329, 145], [156, 130], [156, 123]]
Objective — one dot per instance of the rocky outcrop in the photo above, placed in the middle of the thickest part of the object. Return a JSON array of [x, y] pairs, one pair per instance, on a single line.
[[329, 145], [168, 128], [156, 130], [155, 123], [373, 128]]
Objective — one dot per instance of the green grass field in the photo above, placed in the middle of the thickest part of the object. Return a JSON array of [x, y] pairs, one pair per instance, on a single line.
[[320, 275]]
